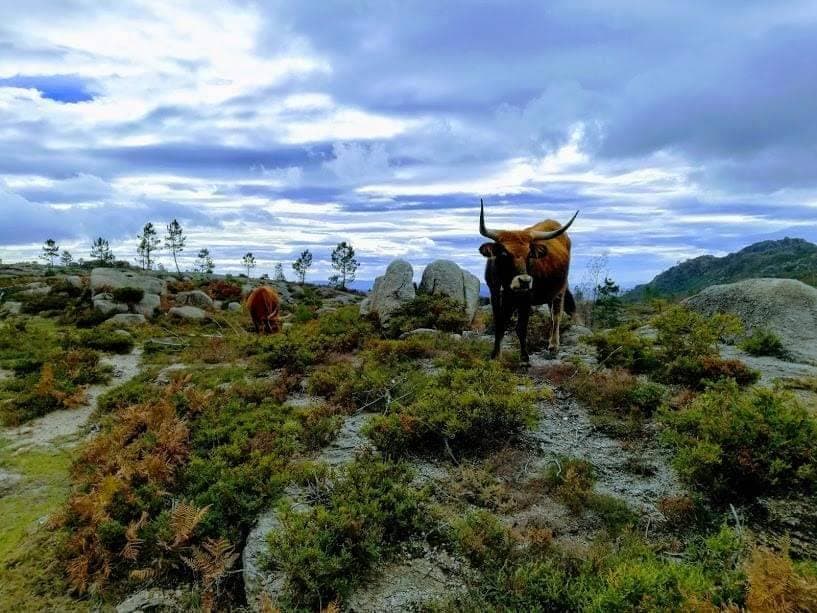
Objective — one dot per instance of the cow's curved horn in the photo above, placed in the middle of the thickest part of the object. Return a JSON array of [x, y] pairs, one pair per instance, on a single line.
[[541, 236], [486, 232]]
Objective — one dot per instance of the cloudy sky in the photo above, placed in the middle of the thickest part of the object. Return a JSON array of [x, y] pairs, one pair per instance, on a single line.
[[678, 128]]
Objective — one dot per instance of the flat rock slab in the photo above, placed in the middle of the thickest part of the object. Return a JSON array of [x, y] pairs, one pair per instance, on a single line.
[[8, 481], [404, 585], [63, 426]]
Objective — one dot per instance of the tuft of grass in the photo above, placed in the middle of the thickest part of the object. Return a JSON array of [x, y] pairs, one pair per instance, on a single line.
[[128, 295], [100, 339], [764, 342], [571, 482]]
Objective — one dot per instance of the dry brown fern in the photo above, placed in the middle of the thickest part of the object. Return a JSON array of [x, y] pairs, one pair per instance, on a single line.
[[133, 543], [212, 560], [184, 518], [775, 585], [142, 574]]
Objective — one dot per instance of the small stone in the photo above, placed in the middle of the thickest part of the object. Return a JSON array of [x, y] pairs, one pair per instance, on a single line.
[[188, 312], [126, 319], [196, 298]]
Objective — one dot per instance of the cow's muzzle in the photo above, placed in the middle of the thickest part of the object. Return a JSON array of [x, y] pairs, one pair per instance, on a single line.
[[522, 283]]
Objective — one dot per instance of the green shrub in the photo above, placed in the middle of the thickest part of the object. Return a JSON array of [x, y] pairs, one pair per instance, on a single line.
[[311, 342], [698, 371], [428, 311], [367, 511], [45, 302], [135, 391], [646, 397], [101, 340], [764, 342], [466, 408], [621, 347], [685, 333], [737, 445], [481, 538], [128, 295]]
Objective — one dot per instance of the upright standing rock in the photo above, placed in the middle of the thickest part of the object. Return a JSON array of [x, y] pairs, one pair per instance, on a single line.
[[390, 291], [448, 279]]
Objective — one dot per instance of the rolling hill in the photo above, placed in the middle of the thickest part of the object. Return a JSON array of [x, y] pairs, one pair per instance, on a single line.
[[791, 258]]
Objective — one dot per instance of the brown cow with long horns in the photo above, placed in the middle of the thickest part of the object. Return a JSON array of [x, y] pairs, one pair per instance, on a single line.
[[526, 268], [265, 308]]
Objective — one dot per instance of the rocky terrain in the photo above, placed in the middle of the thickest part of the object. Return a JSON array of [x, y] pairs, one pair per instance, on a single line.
[[370, 457]]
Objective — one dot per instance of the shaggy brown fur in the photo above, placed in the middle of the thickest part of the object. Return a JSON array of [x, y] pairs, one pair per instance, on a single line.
[[265, 308]]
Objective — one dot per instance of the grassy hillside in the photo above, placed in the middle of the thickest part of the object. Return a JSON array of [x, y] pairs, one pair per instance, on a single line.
[[791, 258]]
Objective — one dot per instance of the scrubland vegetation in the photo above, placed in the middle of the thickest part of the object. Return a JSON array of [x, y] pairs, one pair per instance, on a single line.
[[184, 461]]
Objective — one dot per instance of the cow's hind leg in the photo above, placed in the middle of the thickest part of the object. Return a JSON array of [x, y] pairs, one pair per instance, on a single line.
[[556, 309], [522, 317], [499, 323]]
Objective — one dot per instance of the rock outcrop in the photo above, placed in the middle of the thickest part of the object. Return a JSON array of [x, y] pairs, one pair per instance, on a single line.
[[114, 278], [784, 306], [448, 279], [390, 291]]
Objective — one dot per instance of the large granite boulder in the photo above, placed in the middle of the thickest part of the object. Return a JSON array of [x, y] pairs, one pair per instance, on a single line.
[[196, 298], [390, 291], [784, 306], [448, 279], [114, 278]]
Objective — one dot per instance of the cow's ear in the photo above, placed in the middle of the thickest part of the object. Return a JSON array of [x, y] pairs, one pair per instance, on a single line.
[[490, 250], [538, 250]]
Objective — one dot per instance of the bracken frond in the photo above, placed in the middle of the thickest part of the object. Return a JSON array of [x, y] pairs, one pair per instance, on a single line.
[[142, 574], [184, 518], [212, 560]]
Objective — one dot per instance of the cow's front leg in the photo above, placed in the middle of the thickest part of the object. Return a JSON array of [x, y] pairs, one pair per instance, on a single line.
[[556, 308], [522, 317], [499, 322]]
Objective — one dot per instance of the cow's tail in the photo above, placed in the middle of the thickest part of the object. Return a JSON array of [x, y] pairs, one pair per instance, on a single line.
[[569, 303]]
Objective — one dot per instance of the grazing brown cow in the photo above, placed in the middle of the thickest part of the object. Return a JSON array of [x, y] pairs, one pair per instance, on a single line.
[[264, 307], [525, 268]]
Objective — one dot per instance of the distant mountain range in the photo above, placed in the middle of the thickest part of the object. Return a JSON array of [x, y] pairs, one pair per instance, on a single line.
[[791, 258]]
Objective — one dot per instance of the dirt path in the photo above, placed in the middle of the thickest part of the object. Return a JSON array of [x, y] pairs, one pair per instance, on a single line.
[[62, 428]]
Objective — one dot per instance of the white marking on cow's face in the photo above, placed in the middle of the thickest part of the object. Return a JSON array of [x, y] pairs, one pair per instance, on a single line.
[[522, 283]]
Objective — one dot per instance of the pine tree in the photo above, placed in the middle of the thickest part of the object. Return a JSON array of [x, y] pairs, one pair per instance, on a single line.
[[50, 251], [148, 243], [278, 275], [101, 251], [302, 265], [204, 263], [174, 241], [66, 259], [607, 308], [249, 262], [343, 260]]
